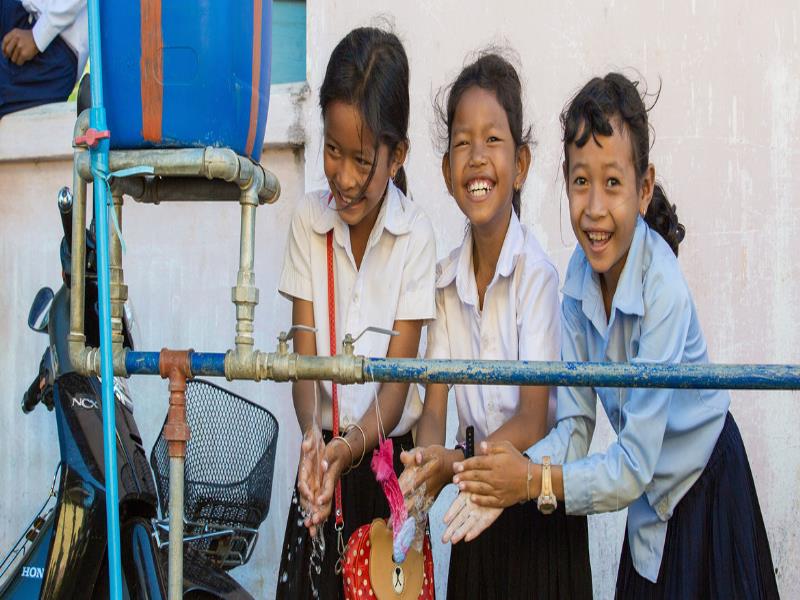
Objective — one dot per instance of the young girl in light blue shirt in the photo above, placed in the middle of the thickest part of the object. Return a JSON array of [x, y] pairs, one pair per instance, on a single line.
[[694, 526]]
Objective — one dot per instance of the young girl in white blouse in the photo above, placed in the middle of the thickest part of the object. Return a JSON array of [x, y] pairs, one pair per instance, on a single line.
[[496, 298], [362, 246]]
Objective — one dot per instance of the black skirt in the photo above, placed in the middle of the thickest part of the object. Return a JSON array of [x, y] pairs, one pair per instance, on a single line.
[[362, 501], [524, 554], [716, 544]]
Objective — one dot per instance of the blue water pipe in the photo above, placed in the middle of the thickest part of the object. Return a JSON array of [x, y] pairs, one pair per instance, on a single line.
[[512, 372], [99, 154]]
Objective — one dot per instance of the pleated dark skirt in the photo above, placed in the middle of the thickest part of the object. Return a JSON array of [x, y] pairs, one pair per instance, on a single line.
[[524, 554], [362, 501], [716, 545]]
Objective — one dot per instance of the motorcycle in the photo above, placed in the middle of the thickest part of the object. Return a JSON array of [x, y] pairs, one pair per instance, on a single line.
[[62, 554]]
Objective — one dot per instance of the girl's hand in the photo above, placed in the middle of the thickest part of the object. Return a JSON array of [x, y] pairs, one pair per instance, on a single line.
[[497, 479], [466, 520], [309, 472], [337, 460], [431, 466]]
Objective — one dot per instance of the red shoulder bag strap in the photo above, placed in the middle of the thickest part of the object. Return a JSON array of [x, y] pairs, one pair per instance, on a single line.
[[339, 525]]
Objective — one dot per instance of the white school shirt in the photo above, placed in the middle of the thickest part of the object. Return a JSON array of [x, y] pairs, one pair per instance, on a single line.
[[520, 321], [67, 18], [396, 281]]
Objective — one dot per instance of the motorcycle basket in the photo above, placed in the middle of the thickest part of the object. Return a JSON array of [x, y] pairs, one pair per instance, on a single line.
[[230, 459]]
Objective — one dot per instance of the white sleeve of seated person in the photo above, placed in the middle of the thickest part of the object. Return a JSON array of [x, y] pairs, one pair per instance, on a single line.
[[54, 16]]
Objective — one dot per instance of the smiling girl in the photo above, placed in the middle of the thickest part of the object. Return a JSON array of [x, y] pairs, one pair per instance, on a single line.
[[361, 252], [496, 298], [694, 527]]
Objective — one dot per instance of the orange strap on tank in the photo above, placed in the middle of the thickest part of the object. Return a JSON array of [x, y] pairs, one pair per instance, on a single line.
[[152, 70]]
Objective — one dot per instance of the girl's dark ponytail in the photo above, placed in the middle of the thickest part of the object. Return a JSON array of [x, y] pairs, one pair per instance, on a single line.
[[663, 218], [400, 180]]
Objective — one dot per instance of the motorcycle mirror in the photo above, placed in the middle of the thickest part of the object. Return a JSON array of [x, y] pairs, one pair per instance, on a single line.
[[39, 315]]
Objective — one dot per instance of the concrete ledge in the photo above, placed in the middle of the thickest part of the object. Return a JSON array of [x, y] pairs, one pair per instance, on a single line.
[[45, 133]]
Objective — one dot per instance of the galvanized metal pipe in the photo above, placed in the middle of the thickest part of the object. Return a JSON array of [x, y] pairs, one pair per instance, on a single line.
[[154, 190], [77, 338], [211, 163], [245, 294], [175, 577], [119, 291]]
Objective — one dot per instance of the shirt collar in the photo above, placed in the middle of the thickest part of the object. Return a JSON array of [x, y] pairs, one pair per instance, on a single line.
[[396, 215], [583, 284], [461, 270]]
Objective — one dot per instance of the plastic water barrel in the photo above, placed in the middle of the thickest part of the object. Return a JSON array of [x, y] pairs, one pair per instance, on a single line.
[[186, 73]]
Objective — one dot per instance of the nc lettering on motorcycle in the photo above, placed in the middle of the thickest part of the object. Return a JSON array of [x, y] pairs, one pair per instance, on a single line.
[[85, 402], [33, 572]]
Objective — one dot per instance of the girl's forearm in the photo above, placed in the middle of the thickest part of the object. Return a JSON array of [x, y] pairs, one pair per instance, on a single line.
[[392, 401], [523, 430], [432, 425]]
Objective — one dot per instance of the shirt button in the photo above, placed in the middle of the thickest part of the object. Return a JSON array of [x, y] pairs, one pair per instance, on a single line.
[[663, 507]]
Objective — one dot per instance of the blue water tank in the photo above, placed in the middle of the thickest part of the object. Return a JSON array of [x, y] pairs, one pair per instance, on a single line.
[[186, 73]]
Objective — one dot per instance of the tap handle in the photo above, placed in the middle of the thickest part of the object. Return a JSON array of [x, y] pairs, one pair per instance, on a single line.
[[349, 339], [285, 336]]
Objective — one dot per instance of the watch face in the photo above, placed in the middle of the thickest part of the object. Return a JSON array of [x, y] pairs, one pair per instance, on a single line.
[[546, 504]]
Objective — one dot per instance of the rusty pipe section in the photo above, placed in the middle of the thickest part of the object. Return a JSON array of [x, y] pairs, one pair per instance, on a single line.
[[175, 365]]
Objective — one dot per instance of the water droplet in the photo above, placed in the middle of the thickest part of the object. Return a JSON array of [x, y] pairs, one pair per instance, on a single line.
[[285, 576]]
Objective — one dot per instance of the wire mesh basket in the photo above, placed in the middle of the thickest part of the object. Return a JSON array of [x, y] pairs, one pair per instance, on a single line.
[[230, 459]]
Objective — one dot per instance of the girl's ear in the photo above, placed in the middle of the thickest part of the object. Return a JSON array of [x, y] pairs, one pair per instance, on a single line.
[[398, 157], [523, 164], [446, 172], [646, 192]]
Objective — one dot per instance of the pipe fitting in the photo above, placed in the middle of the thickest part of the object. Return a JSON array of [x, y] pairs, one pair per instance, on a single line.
[[241, 363], [175, 365]]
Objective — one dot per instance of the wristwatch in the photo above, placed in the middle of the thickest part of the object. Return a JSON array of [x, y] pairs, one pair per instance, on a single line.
[[547, 499]]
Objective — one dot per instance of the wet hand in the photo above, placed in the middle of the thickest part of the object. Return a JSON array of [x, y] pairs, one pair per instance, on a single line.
[[309, 472], [431, 466], [466, 520], [336, 461], [497, 478], [19, 47]]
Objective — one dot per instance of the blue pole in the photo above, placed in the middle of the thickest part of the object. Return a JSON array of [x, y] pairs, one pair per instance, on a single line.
[[97, 120]]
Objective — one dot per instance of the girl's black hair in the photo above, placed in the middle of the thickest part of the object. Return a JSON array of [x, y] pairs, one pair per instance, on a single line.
[[369, 69], [496, 74], [591, 113]]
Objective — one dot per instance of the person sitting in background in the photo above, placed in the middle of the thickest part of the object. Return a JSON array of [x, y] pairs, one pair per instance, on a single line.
[[45, 44]]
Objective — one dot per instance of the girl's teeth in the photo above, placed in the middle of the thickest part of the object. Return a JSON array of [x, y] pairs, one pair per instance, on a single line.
[[598, 237], [479, 189]]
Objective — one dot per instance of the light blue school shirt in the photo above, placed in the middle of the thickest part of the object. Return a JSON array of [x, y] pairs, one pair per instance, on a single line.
[[664, 437]]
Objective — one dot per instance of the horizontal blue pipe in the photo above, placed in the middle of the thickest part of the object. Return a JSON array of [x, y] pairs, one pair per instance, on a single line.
[[203, 364], [512, 372], [587, 374]]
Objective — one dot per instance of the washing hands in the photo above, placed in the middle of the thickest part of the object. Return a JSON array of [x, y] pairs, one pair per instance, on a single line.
[[465, 520], [429, 468], [310, 475]]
